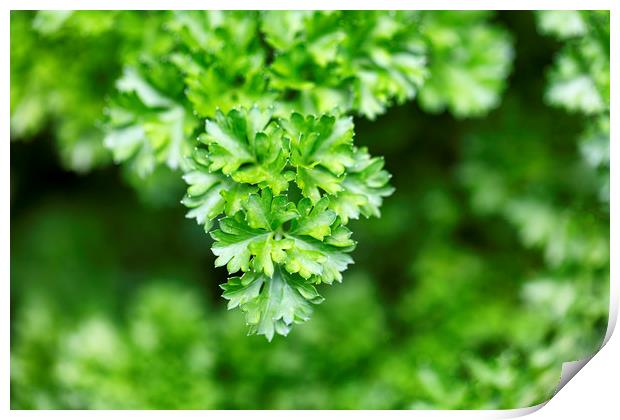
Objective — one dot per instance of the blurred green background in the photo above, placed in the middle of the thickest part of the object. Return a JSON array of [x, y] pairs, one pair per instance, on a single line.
[[488, 269]]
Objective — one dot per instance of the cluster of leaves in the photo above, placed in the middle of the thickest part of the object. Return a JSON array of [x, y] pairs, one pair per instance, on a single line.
[[277, 158], [579, 79], [180, 67], [311, 63], [311, 68], [287, 182], [286, 188]]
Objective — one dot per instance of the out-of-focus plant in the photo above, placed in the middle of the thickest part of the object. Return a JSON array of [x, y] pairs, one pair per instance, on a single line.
[[78, 57], [137, 364], [549, 196], [469, 60], [579, 79]]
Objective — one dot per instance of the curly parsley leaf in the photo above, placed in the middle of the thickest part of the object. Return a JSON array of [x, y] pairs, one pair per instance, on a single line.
[[271, 304]]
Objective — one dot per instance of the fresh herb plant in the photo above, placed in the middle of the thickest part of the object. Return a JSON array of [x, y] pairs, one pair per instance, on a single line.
[[487, 270], [255, 111]]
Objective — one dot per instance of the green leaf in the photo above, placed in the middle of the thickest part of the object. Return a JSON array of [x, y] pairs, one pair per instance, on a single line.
[[235, 197], [241, 290], [282, 27], [204, 196], [363, 188], [310, 257], [321, 148], [267, 252], [229, 147], [147, 128], [314, 179], [246, 146], [345, 59], [232, 243], [319, 244], [268, 212], [316, 244], [275, 89], [469, 61], [254, 235], [271, 305], [217, 75], [313, 221]]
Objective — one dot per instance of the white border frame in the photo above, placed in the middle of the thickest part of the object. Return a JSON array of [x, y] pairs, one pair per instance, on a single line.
[[595, 390]]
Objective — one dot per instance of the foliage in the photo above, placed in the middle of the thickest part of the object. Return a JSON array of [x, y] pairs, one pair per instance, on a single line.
[[69, 95], [579, 80], [282, 245], [167, 332], [469, 60], [488, 268], [276, 122]]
